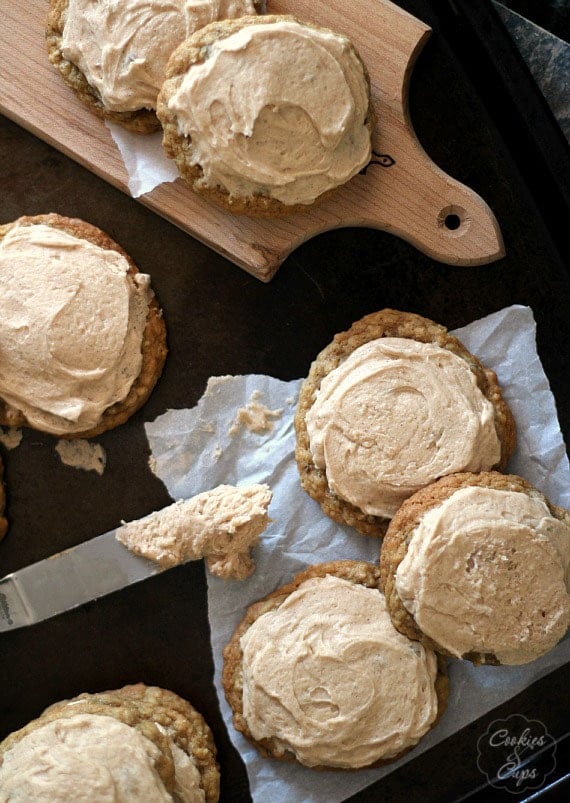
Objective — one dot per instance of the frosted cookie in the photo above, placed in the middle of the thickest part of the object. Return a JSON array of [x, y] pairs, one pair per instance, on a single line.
[[82, 337], [3, 520], [113, 53], [266, 114], [136, 743], [390, 406], [477, 566], [317, 672], [222, 526]]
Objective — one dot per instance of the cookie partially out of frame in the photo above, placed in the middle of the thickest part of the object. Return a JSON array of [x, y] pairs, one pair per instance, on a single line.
[[179, 147], [140, 121], [153, 346], [114, 55], [397, 324], [401, 532], [356, 572], [161, 716]]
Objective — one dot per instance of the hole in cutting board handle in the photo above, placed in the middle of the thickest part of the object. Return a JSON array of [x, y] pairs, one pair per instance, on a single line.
[[454, 220]]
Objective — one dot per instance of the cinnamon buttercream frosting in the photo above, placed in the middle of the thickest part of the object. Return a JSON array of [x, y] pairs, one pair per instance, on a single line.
[[396, 415], [221, 525], [83, 758], [277, 109], [328, 676], [122, 47], [487, 571], [71, 327]]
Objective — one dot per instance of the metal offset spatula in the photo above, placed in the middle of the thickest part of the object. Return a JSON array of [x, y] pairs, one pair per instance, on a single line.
[[68, 579]]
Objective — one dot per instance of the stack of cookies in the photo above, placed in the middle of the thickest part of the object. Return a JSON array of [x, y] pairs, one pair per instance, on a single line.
[[401, 434], [262, 114], [133, 744]]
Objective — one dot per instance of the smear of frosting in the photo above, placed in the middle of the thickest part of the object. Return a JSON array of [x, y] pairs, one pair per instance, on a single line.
[[221, 525], [11, 437], [82, 454], [255, 416]]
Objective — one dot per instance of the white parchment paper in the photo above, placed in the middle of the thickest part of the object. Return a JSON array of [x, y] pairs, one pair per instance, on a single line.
[[194, 452], [144, 159]]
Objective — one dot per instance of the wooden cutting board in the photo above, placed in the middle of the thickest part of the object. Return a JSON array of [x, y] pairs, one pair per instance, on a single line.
[[402, 191]]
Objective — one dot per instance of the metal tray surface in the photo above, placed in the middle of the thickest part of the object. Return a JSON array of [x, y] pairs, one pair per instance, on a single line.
[[223, 321]]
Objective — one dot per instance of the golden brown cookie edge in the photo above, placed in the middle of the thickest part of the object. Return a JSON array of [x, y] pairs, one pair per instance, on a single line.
[[186, 726]]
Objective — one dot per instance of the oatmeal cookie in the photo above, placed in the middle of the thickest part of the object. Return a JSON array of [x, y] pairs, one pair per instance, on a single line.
[[270, 159], [162, 717], [115, 61], [153, 344], [315, 700], [498, 591], [381, 411], [139, 121]]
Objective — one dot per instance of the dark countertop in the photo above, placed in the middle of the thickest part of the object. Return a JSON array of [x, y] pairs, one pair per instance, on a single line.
[[552, 16], [221, 320], [543, 43]]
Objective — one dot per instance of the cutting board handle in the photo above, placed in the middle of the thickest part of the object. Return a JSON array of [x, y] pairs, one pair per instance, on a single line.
[[442, 218], [402, 190], [408, 194]]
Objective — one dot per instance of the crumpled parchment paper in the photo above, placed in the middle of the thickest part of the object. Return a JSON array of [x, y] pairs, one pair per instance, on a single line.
[[194, 451]]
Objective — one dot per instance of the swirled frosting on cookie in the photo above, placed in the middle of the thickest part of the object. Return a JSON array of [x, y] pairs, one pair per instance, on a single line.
[[276, 109], [71, 327], [329, 677], [91, 757], [393, 417], [486, 571], [122, 48]]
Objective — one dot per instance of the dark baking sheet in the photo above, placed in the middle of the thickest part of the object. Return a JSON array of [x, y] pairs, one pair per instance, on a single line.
[[479, 115]]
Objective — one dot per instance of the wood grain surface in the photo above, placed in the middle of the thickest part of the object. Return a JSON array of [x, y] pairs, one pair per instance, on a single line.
[[402, 191]]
